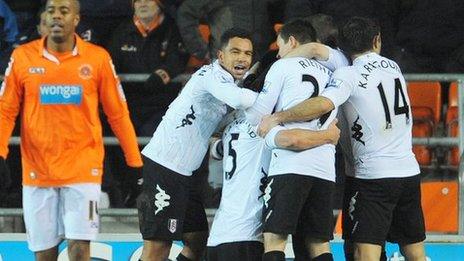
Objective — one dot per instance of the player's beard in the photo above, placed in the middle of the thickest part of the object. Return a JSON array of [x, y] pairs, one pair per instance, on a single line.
[[57, 39]]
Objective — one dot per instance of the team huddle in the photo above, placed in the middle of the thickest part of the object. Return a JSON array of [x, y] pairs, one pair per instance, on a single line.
[[295, 154], [277, 147]]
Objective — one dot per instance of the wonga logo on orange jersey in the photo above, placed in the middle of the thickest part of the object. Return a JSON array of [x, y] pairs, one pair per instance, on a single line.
[[60, 94]]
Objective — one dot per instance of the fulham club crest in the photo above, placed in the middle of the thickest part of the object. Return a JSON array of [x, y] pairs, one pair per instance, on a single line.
[[172, 225]]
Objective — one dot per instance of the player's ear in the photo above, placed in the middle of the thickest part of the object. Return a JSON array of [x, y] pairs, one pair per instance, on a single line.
[[293, 41], [77, 19], [220, 55], [377, 43]]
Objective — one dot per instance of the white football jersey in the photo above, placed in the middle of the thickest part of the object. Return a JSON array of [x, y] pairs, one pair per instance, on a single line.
[[289, 82], [181, 140], [336, 59], [377, 109], [245, 164]]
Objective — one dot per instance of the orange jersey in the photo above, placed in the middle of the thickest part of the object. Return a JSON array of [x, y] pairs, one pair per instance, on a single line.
[[58, 96]]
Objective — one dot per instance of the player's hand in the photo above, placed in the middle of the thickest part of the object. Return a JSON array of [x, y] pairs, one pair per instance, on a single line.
[[135, 182], [5, 176], [267, 123], [334, 132]]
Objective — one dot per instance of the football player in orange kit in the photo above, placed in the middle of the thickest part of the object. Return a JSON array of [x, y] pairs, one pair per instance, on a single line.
[[57, 83]]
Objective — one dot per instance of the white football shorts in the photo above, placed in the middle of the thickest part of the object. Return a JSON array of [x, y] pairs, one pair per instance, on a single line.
[[52, 214]]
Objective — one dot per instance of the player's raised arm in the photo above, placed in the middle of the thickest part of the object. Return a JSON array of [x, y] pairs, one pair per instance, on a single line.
[[226, 90]]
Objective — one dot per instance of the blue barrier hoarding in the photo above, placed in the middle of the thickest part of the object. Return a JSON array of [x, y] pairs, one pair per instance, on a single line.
[[131, 251]]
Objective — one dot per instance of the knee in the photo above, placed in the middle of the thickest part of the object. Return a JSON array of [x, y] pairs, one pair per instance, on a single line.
[[195, 242], [78, 249], [274, 242], [156, 249], [317, 247], [366, 253], [413, 253]]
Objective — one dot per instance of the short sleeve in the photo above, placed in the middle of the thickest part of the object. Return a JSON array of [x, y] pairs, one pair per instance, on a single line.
[[339, 88]]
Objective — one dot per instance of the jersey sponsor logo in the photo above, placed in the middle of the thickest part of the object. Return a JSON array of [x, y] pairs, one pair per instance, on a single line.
[[51, 94], [161, 199], [357, 132], [85, 71], [172, 225], [36, 70], [188, 120]]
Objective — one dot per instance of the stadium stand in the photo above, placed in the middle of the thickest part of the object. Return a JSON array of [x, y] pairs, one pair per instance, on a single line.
[[194, 62], [426, 111], [451, 122]]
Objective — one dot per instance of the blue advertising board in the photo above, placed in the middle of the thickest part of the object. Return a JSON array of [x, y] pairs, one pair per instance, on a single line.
[[131, 250]]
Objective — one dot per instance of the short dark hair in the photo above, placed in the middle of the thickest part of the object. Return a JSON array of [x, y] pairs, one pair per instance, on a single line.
[[234, 32], [326, 29], [301, 29], [357, 34], [76, 4]]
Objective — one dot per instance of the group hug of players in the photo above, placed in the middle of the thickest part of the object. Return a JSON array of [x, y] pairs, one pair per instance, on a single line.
[[281, 138]]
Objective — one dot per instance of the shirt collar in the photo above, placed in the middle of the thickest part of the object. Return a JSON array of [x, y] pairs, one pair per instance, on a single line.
[[366, 56], [47, 55]]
